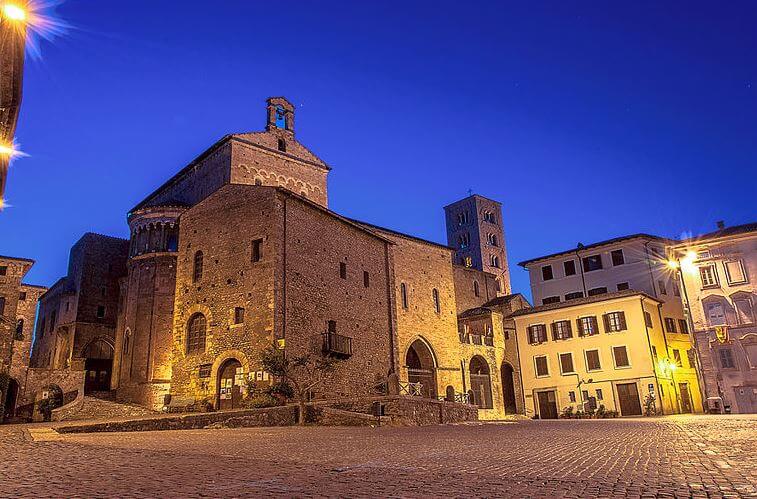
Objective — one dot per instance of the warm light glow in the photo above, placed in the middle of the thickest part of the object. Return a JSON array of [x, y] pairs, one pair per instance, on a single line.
[[687, 262], [14, 12], [10, 150], [673, 264]]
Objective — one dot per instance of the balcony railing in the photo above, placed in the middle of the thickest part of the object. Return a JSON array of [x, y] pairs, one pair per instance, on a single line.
[[464, 338], [336, 344], [476, 339], [489, 341]]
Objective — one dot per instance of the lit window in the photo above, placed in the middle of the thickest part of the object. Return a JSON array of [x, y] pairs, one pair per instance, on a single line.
[[615, 321], [561, 330], [468, 262], [709, 275], [537, 334], [587, 326]]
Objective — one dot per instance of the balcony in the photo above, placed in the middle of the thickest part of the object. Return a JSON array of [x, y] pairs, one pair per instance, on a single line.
[[337, 345], [464, 338]]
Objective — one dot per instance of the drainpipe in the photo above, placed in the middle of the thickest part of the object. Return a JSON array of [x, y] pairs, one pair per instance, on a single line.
[[581, 268], [520, 377], [649, 344], [649, 267]]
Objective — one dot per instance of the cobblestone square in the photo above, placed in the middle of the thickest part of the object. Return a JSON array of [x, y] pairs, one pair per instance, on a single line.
[[694, 456]]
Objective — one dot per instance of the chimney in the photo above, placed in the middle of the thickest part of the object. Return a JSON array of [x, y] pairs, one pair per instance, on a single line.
[[721, 224]]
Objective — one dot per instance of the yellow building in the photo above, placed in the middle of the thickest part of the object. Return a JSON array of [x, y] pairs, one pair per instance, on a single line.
[[606, 350]]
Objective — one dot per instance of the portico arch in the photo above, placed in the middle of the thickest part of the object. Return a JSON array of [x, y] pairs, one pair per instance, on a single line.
[[421, 367]]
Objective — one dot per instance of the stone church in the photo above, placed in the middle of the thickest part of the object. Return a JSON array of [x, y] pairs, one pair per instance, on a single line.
[[239, 250]]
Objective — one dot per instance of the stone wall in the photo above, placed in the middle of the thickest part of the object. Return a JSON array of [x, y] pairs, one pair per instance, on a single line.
[[70, 381], [22, 345], [465, 289]]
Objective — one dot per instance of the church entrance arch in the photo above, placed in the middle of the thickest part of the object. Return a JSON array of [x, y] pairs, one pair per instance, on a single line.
[[421, 367], [230, 380], [98, 362]]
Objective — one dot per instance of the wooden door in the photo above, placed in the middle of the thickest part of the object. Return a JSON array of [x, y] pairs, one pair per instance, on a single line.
[[628, 397], [683, 388], [547, 405], [230, 385]]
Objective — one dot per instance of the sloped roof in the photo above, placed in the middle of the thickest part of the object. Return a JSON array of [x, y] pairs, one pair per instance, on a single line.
[[582, 247], [725, 232], [582, 301]]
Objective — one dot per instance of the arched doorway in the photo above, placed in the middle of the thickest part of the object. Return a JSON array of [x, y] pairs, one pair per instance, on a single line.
[[421, 368], [229, 389], [508, 389], [98, 362], [480, 382], [11, 394]]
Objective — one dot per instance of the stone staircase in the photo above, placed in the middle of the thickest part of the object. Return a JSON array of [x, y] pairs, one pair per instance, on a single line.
[[95, 406]]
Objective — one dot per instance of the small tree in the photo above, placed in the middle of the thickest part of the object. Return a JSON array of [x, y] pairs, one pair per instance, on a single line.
[[302, 372]]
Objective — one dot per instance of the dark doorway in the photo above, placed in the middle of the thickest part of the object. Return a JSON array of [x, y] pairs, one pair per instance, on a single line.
[[628, 398], [547, 405], [230, 379], [11, 395], [683, 388], [508, 389], [480, 383], [421, 368], [98, 362]]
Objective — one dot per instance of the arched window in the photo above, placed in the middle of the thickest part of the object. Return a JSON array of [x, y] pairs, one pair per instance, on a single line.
[[258, 181], [480, 381], [280, 117], [197, 273], [20, 329], [494, 261], [282, 145], [476, 291], [196, 330], [491, 238], [403, 295], [437, 304]]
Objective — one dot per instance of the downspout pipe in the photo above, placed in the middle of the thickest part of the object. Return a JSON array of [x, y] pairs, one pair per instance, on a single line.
[[651, 356], [667, 354]]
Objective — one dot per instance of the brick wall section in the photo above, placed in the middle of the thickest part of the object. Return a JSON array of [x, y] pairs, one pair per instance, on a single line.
[[27, 309], [316, 244], [68, 313], [465, 296], [422, 267], [302, 248], [142, 375], [255, 157], [10, 287]]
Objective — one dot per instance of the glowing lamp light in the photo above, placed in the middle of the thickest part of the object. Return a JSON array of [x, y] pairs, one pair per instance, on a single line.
[[672, 264], [14, 12]]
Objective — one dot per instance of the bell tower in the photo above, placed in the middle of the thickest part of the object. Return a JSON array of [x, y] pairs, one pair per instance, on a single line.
[[280, 115]]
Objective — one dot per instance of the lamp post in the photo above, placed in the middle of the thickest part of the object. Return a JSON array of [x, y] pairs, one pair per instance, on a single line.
[[13, 20]]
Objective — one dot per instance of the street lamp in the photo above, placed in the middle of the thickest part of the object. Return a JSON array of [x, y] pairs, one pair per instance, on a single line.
[[14, 12]]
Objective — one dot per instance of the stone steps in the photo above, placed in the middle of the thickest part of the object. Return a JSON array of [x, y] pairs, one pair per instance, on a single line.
[[95, 408]]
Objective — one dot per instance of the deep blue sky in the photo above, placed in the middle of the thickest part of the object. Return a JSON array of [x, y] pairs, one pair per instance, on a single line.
[[587, 120]]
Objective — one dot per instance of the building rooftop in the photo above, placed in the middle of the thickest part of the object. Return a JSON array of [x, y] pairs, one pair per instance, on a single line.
[[400, 234], [583, 301], [472, 196], [724, 232], [16, 259], [501, 300], [582, 247]]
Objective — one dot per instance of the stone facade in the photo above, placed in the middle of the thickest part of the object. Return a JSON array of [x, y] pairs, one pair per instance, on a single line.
[[718, 273], [475, 230], [77, 315], [18, 303]]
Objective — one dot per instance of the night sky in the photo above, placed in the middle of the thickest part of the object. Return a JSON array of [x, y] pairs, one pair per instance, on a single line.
[[587, 120]]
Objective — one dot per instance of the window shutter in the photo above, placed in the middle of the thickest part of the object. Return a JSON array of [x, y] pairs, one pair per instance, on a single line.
[[579, 327], [606, 320], [622, 320], [568, 329], [554, 331]]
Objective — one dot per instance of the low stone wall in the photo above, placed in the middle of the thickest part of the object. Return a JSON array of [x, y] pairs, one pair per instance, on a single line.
[[328, 416], [410, 411], [70, 381], [272, 416]]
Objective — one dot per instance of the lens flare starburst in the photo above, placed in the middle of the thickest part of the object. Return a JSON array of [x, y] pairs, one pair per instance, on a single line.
[[35, 20]]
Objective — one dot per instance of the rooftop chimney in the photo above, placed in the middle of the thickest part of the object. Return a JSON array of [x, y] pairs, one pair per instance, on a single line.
[[721, 224]]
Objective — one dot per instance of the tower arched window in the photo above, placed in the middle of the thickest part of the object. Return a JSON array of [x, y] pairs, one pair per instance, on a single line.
[[476, 291], [282, 145], [197, 269], [494, 261], [491, 239], [437, 303], [403, 295], [280, 117], [196, 332]]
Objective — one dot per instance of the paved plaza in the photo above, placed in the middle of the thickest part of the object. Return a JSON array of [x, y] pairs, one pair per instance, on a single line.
[[697, 456]]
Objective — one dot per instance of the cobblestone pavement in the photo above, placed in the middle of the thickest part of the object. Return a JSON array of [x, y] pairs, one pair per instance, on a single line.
[[680, 456]]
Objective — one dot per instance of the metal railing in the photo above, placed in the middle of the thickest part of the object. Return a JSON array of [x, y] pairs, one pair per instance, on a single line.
[[413, 389], [460, 398]]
